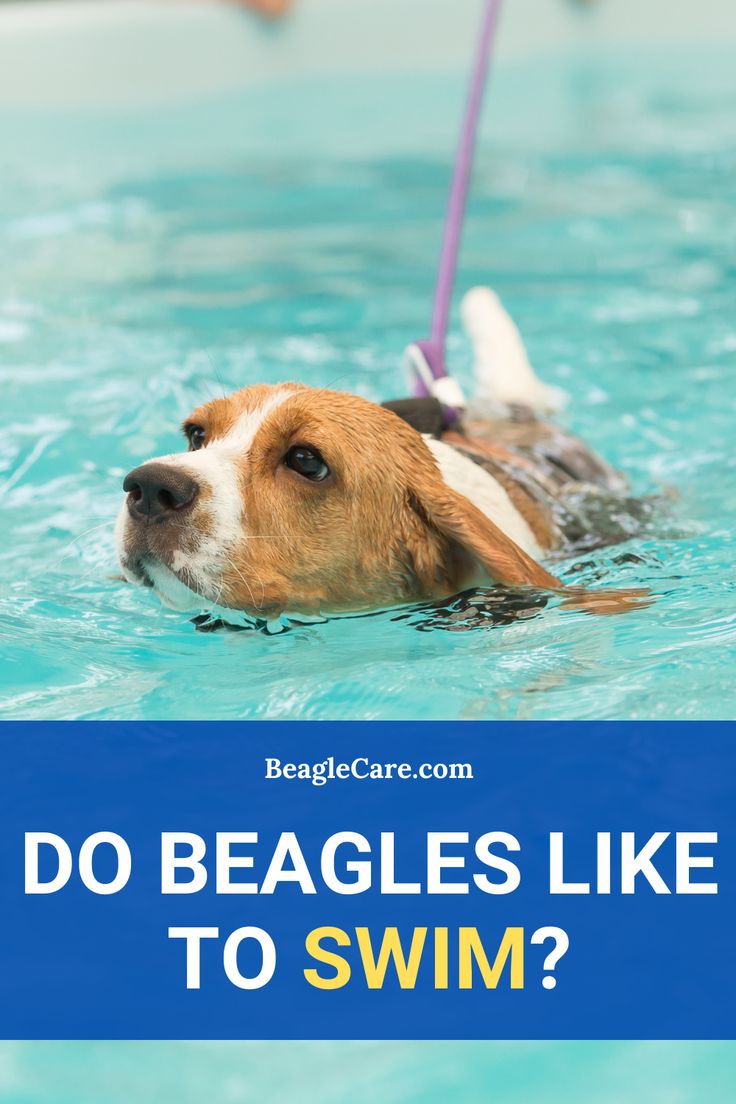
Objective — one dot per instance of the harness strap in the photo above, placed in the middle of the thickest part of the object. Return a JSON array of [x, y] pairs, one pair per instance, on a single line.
[[425, 414], [425, 359]]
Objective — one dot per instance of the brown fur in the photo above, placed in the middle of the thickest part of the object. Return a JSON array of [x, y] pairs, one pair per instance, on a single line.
[[382, 529]]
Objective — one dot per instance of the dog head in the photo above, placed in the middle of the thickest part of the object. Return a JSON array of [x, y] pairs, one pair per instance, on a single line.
[[301, 500]]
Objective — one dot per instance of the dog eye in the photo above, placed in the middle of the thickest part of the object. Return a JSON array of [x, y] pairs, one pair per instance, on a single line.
[[195, 436], [307, 462]]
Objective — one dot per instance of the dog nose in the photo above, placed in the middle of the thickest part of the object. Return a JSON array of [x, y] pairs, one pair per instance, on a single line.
[[156, 492]]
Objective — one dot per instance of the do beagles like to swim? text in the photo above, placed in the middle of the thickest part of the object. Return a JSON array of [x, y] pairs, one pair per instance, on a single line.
[[452, 862], [363, 769]]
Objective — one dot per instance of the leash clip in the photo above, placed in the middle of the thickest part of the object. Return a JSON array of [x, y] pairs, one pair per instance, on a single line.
[[422, 380]]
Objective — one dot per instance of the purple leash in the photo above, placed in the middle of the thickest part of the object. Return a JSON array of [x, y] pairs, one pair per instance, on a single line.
[[425, 359]]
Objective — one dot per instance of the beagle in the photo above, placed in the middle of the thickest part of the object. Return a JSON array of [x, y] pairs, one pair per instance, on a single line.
[[300, 502]]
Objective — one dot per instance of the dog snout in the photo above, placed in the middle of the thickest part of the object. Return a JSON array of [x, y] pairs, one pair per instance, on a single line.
[[157, 492]]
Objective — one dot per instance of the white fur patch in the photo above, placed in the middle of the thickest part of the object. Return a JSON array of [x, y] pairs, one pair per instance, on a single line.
[[221, 463], [216, 467], [485, 492], [243, 433], [172, 591]]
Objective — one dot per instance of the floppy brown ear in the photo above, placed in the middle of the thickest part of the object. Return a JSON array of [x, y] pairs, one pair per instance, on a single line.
[[456, 518]]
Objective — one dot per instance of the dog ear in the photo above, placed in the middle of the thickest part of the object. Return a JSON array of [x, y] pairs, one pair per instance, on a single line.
[[469, 531], [463, 524]]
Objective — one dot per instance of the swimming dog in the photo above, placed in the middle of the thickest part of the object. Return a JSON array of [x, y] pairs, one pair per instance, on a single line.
[[300, 502]]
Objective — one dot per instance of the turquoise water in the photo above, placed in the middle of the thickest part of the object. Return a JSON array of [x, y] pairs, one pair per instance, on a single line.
[[393, 1073], [152, 261]]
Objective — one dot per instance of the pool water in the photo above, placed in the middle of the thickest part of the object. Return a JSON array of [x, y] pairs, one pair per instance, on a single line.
[[394, 1072], [153, 261]]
